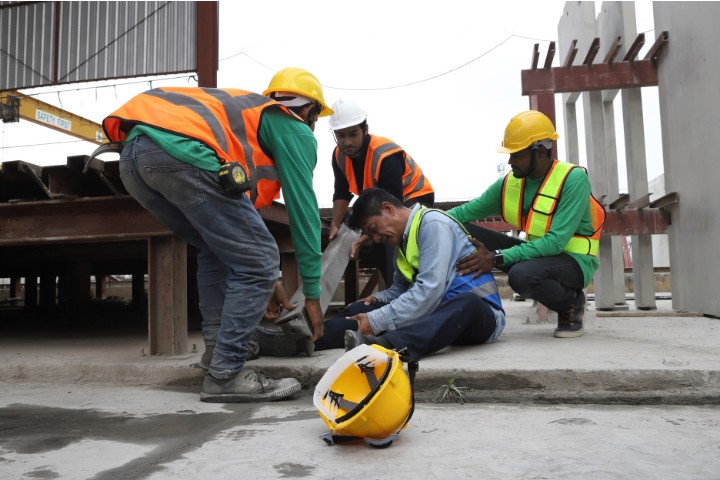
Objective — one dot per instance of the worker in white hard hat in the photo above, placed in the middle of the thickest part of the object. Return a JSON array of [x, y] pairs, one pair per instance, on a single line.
[[362, 161]]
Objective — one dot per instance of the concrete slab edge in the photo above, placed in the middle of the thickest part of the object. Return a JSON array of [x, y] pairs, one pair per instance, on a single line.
[[622, 386]]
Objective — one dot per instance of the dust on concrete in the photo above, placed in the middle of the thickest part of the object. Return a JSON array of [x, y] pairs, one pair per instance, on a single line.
[[32, 429]]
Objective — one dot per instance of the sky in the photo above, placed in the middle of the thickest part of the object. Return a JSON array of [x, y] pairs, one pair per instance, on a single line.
[[441, 79]]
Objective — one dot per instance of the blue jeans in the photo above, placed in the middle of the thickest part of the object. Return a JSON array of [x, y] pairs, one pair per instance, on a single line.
[[238, 259]]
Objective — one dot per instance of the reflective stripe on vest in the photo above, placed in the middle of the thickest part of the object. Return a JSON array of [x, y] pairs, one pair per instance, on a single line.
[[414, 182], [539, 218], [225, 120], [408, 262]]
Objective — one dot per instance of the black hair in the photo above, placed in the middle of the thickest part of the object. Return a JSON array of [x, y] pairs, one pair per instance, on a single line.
[[369, 204]]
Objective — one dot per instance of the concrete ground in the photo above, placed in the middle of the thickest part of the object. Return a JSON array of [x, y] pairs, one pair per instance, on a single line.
[[630, 356], [87, 431], [635, 398]]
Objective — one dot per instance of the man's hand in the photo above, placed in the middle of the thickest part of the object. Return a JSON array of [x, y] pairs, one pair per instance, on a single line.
[[333, 232], [369, 300], [316, 317], [355, 247], [278, 302], [363, 323], [479, 262]]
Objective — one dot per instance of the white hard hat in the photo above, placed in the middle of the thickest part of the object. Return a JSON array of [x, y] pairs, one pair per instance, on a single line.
[[348, 113]]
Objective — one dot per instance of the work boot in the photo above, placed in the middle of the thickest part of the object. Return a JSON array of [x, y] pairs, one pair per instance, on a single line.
[[570, 321], [206, 358], [247, 386], [353, 339], [252, 347]]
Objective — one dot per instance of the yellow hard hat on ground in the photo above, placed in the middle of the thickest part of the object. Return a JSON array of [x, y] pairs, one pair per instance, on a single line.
[[300, 82], [525, 129], [366, 395]]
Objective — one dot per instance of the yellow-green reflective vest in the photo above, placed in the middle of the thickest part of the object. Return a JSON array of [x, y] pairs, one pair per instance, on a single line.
[[539, 218], [408, 261]]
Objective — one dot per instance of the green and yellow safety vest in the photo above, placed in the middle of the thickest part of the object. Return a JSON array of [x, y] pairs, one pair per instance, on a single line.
[[539, 218]]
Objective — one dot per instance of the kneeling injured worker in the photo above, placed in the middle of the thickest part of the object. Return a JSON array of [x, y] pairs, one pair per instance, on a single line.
[[429, 305]]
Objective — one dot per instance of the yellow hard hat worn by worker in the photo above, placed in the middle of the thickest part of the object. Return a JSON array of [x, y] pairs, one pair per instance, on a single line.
[[525, 129], [366, 395], [300, 82]]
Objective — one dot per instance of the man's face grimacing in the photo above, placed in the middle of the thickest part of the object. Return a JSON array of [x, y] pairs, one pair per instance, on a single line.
[[350, 139], [382, 228]]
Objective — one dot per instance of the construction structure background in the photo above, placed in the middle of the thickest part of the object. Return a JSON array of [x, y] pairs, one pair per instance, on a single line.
[[682, 64]]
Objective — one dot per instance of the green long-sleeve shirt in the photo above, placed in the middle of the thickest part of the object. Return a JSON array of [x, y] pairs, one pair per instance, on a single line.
[[572, 216], [293, 146]]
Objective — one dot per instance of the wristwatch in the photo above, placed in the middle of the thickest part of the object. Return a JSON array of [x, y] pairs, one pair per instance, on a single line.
[[498, 258]]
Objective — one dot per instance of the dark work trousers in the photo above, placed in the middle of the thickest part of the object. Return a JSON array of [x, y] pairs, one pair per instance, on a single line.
[[553, 281], [465, 319]]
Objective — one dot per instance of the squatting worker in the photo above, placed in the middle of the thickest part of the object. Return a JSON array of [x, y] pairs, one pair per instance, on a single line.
[[361, 161], [552, 203], [175, 142]]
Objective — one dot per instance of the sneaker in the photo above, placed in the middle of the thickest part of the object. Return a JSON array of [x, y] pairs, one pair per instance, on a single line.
[[247, 386], [570, 321], [353, 339]]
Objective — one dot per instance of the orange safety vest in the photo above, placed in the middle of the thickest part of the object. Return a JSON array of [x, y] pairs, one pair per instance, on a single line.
[[225, 120], [539, 218], [414, 182]]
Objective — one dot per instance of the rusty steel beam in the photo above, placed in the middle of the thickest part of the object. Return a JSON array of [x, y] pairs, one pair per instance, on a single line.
[[570, 58], [637, 221], [275, 212], [535, 57], [494, 223], [613, 51], [634, 48], [592, 52], [550, 55], [583, 78], [644, 221], [659, 44], [77, 220], [206, 47]]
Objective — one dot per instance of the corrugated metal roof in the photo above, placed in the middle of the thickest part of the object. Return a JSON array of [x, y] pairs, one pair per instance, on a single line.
[[95, 41]]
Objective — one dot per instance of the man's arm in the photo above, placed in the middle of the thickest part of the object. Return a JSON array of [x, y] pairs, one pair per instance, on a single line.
[[440, 243], [294, 148], [489, 203]]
